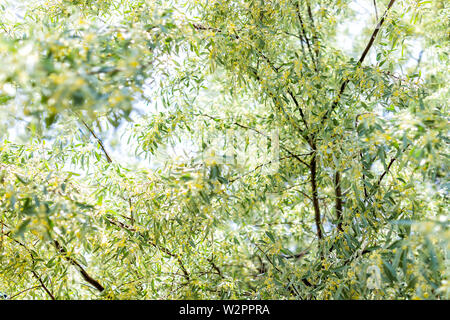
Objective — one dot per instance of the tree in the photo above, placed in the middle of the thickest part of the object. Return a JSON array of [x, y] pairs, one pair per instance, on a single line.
[[224, 149]]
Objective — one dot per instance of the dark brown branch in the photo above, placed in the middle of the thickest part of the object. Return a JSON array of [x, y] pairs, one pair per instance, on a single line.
[[23, 291], [83, 272], [299, 108], [296, 255], [43, 285], [338, 195], [361, 159], [291, 287], [366, 195], [173, 255], [308, 44], [263, 134], [314, 32], [121, 225], [215, 267], [317, 217], [389, 167], [360, 61], [304, 193], [108, 158], [375, 33], [35, 274], [201, 27], [154, 244], [275, 68], [258, 167]]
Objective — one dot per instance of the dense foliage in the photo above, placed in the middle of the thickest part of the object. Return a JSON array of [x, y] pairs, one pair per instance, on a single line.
[[240, 149]]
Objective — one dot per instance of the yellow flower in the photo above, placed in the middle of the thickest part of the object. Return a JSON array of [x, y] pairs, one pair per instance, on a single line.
[[89, 37], [58, 78], [79, 82], [120, 36]]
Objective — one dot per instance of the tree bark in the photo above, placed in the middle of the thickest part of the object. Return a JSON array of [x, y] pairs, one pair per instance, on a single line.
[[338, 194], [315, 198]]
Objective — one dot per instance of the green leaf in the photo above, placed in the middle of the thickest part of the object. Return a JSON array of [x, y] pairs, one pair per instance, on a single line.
[[389, 271], [270, 235], [22, 228]]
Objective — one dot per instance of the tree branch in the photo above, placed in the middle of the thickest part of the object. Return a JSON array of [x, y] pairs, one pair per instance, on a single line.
[[389, 167], [43, 285], [314, 32], [317, 217], [360, 61], [23, 291], [308, 44], [258, 167], [338, 195], [83, 272], [276, 69], [153, 243], [108, 158], [263, 134], [34, 273]]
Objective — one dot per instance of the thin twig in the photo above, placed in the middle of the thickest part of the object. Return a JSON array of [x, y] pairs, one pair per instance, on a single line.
[[389, 166], [376, 10], [263, 134], [34, 273], [23, 291], [360, 61], [154, 244], [108, 158]]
